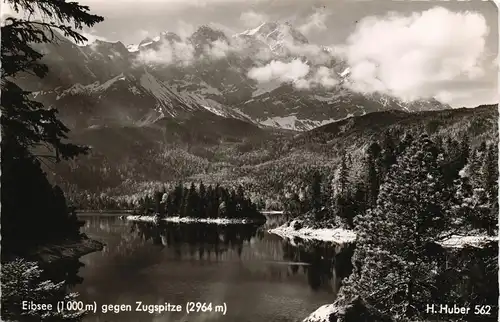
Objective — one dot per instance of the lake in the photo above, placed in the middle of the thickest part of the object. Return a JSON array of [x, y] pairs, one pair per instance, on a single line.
[[254, 275]]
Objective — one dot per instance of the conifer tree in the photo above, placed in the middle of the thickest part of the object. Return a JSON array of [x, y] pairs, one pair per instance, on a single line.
[[388, 153], [202, 207], [394, 271], [463, 205], [211, 202], [27, 126], [316, 195], [177, 198], [489, 176], [373, 176], [343, 175]]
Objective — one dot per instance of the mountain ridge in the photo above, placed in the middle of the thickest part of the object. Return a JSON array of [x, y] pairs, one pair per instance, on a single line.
[[167, 75]]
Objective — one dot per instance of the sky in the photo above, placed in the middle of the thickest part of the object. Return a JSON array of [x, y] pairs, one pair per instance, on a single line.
[[411, 49]]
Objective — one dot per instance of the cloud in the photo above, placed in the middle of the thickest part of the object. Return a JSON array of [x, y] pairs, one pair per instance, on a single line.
[[314, 53], [297, 72], [218, 49], [183, 52], [417, 56], [91, 38], [315, 22], [280, 71], [252, 19], [169, 53], [324, 76]]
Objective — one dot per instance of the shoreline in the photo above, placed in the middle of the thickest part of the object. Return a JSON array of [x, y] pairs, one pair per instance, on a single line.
[[187, 220], [82, 212], [70, 249], [272, 212], [323, 313], [343, 236], [131, 211], [334, 235]]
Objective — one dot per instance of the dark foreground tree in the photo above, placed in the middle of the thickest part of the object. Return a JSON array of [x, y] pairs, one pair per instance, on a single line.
[[394, 270], [33, 211]]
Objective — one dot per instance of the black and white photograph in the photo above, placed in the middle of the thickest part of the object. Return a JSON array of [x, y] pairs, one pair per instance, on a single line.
[[249, 160]]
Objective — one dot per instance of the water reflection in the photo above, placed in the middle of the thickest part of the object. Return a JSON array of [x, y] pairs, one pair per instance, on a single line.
[[65, 270], [324, 264], [328, 263], [200, 240], [241, 265]]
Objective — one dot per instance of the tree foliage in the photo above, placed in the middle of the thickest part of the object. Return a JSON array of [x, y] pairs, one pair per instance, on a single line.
[[31, 133], [203, 202], [396, 273], [22, 281]]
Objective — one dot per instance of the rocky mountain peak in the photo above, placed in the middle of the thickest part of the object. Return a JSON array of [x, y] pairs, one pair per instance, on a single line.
[[206, 35], [170, 36], [272, 32]]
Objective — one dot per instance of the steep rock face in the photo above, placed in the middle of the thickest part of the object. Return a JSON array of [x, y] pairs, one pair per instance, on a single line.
[[108, 83]]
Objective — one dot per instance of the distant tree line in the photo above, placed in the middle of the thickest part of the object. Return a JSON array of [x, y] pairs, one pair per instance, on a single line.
[[102, 202], [201, 202]]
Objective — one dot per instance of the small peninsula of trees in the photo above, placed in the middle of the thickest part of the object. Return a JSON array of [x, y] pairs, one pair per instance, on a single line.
[[201, 202]]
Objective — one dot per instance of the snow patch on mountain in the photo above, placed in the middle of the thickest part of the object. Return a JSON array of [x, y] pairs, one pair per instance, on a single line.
[[292, 122], [346, 72], [146, 44], [133, 48], [95, 87], [250, 32], [214, 110], [285, 122]]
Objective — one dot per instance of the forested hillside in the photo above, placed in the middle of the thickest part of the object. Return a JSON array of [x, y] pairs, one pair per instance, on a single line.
[[272, 166]]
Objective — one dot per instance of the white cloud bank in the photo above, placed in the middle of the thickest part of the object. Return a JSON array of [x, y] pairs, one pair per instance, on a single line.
[[417, 56], [181, 53], [432, 54], [296, 72], [184, 52], [280, 71]]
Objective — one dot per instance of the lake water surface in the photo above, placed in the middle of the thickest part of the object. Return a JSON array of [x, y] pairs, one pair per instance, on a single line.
[[258, 276]]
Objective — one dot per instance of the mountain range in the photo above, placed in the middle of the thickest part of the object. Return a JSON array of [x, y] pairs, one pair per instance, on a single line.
[[106, 84]]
